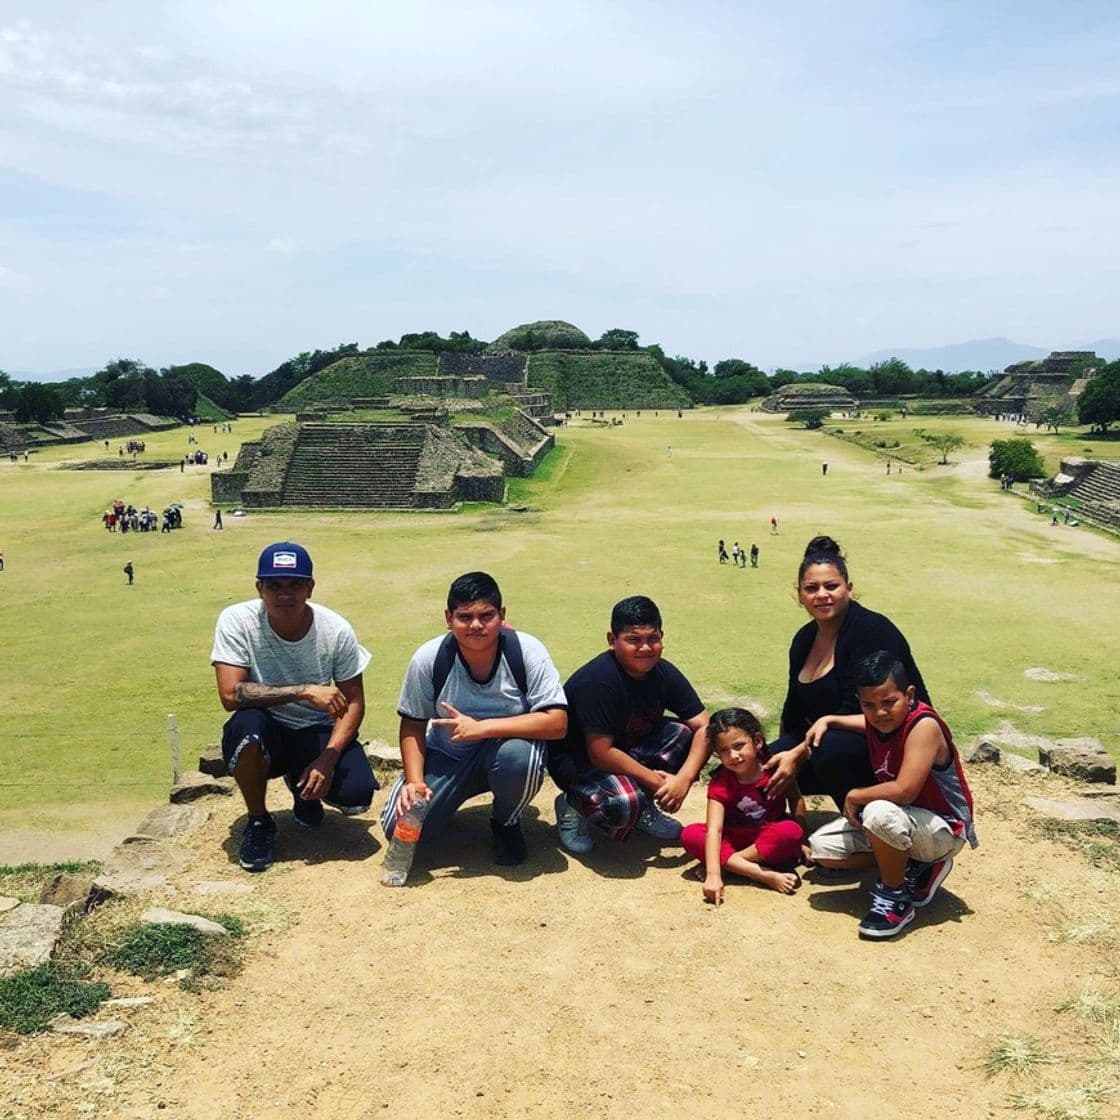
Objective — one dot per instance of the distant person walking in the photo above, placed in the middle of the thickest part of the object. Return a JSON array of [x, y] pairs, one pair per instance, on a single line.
[[824, 469], [754, 556], [723, 550], [217, 519], [1, 559], [773, 526], [128, 571]]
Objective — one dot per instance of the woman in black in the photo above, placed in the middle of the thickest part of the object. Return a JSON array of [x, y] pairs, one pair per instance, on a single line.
[[822, 659]]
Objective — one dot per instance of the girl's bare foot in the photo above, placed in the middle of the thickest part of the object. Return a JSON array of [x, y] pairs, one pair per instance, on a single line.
[[785, 882]]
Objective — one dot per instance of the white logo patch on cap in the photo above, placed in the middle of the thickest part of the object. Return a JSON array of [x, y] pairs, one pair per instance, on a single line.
[[284, 560]]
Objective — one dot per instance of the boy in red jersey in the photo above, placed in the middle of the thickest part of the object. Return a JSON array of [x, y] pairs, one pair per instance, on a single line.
[[917, 817]]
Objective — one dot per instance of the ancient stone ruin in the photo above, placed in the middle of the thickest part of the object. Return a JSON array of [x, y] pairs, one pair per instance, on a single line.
[[367, 465], [1027, 388], [804, 396], [1089, 487]]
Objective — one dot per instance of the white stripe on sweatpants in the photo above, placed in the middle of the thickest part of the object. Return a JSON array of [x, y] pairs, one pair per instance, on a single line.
[[389, 813], [534, 777]]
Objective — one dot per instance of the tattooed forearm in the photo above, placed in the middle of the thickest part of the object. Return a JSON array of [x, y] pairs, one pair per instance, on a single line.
[[249, 694]]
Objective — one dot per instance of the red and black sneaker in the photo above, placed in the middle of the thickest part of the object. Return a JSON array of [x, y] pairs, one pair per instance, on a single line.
[[923, 879], [891, 912]]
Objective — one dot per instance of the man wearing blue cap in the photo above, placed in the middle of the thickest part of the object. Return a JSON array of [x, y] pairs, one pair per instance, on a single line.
[[291, 673]]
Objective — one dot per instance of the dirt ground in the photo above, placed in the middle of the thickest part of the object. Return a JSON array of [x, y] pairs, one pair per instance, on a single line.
[[569, 987]]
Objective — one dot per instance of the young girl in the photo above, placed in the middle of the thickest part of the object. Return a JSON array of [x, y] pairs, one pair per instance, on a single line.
[[746, 832]]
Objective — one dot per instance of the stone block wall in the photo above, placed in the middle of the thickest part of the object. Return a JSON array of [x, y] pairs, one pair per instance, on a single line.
[[498, 368]]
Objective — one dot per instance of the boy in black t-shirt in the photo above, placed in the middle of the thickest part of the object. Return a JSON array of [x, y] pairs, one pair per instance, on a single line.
[[622, 759]]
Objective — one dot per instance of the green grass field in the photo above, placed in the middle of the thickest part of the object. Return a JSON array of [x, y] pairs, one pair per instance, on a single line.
[[983, 587]]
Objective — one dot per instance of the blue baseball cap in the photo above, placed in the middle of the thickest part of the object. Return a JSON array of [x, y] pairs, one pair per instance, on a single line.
[[284, 560]]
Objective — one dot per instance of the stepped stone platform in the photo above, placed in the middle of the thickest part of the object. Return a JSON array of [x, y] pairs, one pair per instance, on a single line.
[[1094, 484], [359, 466], [808, 395], [1026, 388]]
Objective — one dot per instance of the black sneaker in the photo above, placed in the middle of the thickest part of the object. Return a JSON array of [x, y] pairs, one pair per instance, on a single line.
[[255, 853], [923, 879], [308, 814], [509, 844], [891, 912]]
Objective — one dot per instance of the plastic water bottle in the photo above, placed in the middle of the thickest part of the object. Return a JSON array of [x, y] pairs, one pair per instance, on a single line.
[[402, 848]]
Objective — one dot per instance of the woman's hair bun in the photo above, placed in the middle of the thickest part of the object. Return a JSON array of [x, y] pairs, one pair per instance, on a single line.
[[823, 546]]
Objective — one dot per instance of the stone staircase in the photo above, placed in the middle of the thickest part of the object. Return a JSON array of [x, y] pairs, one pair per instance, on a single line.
[[1099, 486], [354, 465]]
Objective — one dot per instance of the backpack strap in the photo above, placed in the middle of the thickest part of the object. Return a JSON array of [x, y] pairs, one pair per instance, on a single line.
[[509, 647], [445, 660]]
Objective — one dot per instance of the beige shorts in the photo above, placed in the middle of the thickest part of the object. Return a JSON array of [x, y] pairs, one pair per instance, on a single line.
[[925, 835]]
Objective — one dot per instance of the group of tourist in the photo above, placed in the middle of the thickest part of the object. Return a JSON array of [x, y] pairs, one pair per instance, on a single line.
[[482, 710], [127, 518], [738, 556]]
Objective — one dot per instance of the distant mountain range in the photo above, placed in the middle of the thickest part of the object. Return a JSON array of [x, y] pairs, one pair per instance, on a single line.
[[983, 354]]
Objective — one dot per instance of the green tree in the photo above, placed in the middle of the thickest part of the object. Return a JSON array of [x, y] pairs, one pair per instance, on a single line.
[[1054, 412], [857, 381], [892, 376], [38, 403], [780, 378], [811, 418], [1015, 457], [943, 441], [617, 339], [1099, 403]]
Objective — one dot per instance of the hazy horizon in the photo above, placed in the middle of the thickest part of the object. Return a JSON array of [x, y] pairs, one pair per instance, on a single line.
[[234, 184]]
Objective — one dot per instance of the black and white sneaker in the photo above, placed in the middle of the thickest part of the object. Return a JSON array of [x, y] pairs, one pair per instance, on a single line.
[[891, 912], [923, 879], [509, 844], [255, 852], [308, 814]]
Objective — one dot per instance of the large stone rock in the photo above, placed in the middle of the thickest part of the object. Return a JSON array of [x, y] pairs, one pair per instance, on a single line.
[[383, 755], [28, 935], [69, 890], [171, 820], [1019, 764], [136, 868], [1080, 758], [195, 784], [983, 750], [213, 763], [157, 916], [1075, 809], [109, 1028]]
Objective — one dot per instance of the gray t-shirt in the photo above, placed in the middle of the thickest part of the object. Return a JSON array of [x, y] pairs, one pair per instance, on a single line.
[[328, 652], [499, 696]]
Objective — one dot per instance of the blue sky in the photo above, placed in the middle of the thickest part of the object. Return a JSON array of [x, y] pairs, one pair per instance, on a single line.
[[235, 182]]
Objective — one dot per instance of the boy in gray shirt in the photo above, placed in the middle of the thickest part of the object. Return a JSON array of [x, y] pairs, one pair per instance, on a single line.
[[476, 708], [291, 673]]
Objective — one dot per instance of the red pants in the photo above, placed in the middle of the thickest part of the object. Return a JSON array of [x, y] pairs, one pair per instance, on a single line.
[[776, 841]]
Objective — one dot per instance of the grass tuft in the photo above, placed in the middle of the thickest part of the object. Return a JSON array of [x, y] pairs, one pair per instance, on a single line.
[[29, 1000], [25, 880], [1077, 1103], [154, 951], [1016, 1054], [1093, 1005], [1097, 841], [1108, 1046]]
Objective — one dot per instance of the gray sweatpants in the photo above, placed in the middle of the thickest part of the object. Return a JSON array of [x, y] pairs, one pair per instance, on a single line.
[[511, 769]]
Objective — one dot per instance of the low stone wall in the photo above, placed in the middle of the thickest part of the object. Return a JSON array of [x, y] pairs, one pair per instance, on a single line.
[[499, 368], [469, 388]]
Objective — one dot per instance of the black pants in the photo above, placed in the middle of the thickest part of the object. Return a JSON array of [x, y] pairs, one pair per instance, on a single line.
[[839, 763], [289, 751]]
